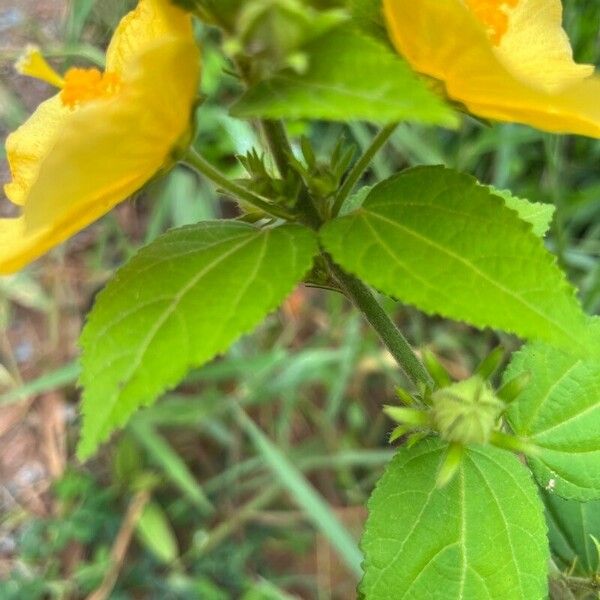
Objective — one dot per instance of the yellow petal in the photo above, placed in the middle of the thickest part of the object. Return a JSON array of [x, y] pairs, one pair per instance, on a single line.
[[72, 166], [574, 110], [536, 48], [150, 22], [30, 144], [12, 235], [107, 149], [443, 39], [18, 247]]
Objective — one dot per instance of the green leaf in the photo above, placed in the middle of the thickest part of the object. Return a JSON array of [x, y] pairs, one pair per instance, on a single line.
[[437, 239], [181, 301], [481, 537], [349, 76], [538, 214], [559, 411], [574, 528]]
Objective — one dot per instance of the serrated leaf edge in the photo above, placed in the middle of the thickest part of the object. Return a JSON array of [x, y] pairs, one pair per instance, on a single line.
[[84, 450], [526, 227]]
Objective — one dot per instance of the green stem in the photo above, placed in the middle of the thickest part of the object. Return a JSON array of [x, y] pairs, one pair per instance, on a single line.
[[199, 163], [279, 145], [361, 166], [389, 333], [281, 150], [359, 293], [579, 583]]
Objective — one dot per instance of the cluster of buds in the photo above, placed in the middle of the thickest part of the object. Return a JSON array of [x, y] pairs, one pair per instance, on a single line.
[[262, 181], [323, 178], [464, 413]]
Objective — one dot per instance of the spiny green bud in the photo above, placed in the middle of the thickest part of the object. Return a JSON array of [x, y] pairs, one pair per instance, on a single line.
[[399, 432], [405, 397], [450, 465], [466, 412], [512, 389], [436, 369], [491, 363], [407, 416]]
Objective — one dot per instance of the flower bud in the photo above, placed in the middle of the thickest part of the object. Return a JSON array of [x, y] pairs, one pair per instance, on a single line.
[[466, 412]]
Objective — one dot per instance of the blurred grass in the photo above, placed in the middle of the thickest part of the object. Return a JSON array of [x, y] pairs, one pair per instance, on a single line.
[[261, 462]]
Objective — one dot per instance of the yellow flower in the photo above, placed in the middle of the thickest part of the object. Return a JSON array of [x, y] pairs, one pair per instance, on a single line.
[[104, 135], [506, 60]]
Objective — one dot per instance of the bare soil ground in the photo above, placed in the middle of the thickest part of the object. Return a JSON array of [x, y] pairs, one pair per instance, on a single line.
[[32, 434]]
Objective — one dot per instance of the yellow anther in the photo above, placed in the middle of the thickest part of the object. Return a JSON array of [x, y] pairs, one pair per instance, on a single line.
[[78, 85], [83, 85], [493, 15], [33, 64]]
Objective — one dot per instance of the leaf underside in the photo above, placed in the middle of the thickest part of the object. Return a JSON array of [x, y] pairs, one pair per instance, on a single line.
[[349, 76], [539, 215]]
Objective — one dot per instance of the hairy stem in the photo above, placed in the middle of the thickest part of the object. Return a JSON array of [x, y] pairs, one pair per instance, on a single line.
[[359, 293], [361, 166], [197, 162], [279, 144], [281, 150], [390, 335]]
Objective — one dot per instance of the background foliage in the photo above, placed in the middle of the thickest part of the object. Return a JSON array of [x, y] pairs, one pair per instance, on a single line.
[[260, 464]]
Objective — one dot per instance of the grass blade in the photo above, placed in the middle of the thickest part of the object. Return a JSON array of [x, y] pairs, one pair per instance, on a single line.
[[304, 494]]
